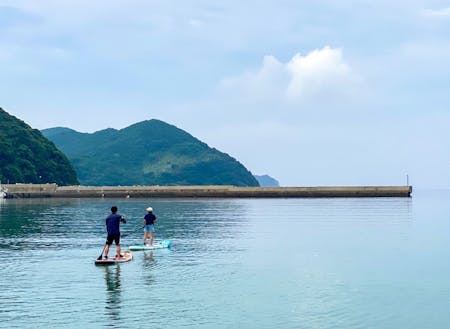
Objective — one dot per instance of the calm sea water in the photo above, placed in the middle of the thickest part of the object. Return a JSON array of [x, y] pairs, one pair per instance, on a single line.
[[235, 263]]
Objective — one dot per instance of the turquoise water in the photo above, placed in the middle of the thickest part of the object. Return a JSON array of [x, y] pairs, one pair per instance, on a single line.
[[235, 263]]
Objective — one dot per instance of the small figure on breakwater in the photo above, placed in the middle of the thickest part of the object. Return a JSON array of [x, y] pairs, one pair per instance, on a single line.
[[113, 229], [149, 225]]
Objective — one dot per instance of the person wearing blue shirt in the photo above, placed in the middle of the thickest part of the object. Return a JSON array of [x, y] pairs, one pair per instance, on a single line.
[[113, 228], [149, 225]]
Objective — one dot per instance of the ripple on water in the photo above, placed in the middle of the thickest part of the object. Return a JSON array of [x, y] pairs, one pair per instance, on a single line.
[[244, 263]]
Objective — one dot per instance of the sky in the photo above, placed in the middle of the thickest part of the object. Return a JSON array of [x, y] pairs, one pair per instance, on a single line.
[[312, 93]]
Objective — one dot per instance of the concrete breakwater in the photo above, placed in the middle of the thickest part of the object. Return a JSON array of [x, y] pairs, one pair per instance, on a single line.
[[55, 191]]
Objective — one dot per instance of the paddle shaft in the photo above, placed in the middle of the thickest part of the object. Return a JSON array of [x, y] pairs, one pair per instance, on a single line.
[[100, 257], [126, 234]]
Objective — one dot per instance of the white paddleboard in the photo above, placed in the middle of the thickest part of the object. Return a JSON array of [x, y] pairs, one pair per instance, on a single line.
[[158, 245]]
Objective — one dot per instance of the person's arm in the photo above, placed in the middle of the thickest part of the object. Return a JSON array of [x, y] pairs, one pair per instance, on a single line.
[[123, 220], [143, 222]]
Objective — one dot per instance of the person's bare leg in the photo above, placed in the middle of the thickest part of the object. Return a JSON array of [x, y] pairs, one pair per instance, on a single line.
[[118, 250], [151, 238], [106, 250]]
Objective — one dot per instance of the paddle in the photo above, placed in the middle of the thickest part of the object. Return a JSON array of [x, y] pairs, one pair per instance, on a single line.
[[100, 257], [127, 234]]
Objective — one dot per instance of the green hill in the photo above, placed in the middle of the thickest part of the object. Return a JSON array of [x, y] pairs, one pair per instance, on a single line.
[[26, 156], [147, 153]]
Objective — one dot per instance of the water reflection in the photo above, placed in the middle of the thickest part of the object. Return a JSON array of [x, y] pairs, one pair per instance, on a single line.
[[148, 258], [148, 265], [332, 262], [49, 221], [113, 300]]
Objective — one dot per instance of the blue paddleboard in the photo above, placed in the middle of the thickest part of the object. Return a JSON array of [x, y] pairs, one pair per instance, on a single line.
[[158, 245]]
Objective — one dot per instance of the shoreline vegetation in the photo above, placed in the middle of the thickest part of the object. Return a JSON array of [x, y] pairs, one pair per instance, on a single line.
[[207, 191]]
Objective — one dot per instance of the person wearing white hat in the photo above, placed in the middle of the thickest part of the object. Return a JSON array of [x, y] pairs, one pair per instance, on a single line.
[[149, 225]]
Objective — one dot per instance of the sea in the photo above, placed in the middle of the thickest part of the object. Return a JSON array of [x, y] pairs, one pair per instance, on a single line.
[[234, 263]]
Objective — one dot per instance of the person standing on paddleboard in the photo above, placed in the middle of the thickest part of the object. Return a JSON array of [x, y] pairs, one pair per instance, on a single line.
[[149, 225], [113, 229]]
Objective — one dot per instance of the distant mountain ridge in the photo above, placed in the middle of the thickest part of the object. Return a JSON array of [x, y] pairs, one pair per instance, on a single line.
[[26, 156], [151, 152], [267, 181]]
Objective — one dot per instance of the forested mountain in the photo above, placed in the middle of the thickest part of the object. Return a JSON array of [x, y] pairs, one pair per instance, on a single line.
[[147, 153], [26, 156]]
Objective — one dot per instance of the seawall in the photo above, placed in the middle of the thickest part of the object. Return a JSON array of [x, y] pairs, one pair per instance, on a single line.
[[54, 191]]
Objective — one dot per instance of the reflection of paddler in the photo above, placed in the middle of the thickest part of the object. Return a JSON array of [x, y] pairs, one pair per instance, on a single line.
[[148, 256], [148, 264], [112, 279]]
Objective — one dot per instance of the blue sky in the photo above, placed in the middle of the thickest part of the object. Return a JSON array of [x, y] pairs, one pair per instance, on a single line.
[[310, 92]]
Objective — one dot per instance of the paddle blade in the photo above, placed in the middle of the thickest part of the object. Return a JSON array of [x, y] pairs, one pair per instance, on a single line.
[[100, 257]]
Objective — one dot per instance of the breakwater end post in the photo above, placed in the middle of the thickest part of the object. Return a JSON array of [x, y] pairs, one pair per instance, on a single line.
[[215, 191]]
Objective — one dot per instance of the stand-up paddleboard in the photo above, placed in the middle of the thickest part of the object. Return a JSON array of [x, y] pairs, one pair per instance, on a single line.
[[158, 245], [127, 256]]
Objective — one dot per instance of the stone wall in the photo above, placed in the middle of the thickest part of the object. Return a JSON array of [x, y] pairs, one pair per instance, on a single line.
[[52, 190]]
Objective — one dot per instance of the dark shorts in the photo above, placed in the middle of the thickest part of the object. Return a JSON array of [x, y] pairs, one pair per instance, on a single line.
[[113, 237]]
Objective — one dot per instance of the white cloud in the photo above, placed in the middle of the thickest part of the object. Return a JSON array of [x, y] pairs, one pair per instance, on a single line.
[[322, 73], [267, 83], [196, 23], [438, 13]]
